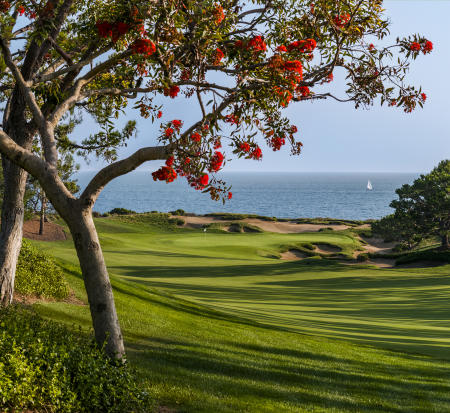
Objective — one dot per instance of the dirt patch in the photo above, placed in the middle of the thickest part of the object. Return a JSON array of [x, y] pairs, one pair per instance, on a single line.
[[269, 226], [52, 231], [378, 245], [32, 299], [293, 255], [327, 249]]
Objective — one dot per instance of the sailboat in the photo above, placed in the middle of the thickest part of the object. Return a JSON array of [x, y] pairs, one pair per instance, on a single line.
[[369, 186]]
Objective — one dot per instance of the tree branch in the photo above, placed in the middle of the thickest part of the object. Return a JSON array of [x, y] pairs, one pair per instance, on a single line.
[[107, 174]]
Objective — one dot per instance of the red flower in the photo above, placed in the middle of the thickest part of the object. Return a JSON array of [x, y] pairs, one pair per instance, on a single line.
[[304, 91], [238, 44], [185, 74], [159, 115], [330, 77], [204, 179], [342, 20], [244, 147], [187, 160], [371, 46], [294, 66], [294, 129], [122, 28], [172, 91], [218, 14], [104, 29], [219, 56], [230, 195], [216, 162], [423, 96], [169, 132], [165, 173], [257, 44], [427, 47], [232, 118], [282, 49], [217, 143], [21, 10], [177, 124], [143, 46], [414, 46], [196, 137], [277, 143], [256, 153], [169, 161]]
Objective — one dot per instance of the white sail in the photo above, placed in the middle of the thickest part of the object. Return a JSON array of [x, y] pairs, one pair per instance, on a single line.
[[369, 185]]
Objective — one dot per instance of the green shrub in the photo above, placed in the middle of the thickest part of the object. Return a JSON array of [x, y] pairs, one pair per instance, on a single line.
[[46, 367], [308, 246], [96, 214], [427, 255], [177, 221], [179, 212], [38, 274], [122, 211], [362, 257]]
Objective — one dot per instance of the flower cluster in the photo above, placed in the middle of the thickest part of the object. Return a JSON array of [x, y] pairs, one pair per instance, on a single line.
[[143, 46], [256, 153], [244, 147], [256, 44], [341, 20], [218, 56], [172, 91], [166, 173], [426, 47], [276, 143], [304, 91], [293, 66], [302, 46], [4, 6], [196, 137], [218, 14], [232, 118], [216, 162], [113, 30]]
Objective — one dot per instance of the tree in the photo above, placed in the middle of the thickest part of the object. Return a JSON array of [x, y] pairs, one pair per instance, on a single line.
[[242, 62], [422, 210]]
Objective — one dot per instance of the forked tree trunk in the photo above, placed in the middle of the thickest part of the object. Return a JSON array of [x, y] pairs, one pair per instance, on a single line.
[[97, 284], [11, 228]]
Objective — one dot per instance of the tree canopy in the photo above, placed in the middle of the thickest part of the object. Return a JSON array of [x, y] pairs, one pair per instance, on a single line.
[[241, 62], [422, 209]]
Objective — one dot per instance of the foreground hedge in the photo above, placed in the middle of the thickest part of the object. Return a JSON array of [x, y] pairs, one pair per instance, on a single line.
[[46, 367], [38, 274]]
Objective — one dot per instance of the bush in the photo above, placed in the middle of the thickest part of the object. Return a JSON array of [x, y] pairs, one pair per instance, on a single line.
[[177, 221], [38, 274], [122, 211], [362, 257], [96, 214], [179, 212], [46, 367]]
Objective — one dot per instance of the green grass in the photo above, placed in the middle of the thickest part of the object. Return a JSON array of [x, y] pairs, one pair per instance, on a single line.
[[214, 324]]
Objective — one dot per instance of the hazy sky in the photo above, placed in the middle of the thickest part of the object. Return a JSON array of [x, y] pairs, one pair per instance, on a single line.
[[337, 137]]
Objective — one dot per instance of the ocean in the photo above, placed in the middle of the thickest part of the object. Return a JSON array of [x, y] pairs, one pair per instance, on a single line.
[[283, 195]]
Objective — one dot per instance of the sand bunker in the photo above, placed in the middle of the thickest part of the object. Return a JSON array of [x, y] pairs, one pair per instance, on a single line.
[[293, 255], [269, 226], [327, 248]]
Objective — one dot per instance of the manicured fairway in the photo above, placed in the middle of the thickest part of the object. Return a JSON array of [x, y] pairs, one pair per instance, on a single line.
[[358, 339]]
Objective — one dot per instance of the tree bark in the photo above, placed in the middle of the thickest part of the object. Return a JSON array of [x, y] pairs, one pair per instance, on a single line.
[[42, 217], [445, 245], [96, 281], [11, 228]]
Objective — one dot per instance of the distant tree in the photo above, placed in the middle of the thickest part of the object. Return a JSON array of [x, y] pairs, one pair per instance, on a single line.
[[422, 210], [240, 62]]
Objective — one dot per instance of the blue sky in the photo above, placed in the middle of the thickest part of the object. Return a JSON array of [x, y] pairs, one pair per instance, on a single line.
[[338, 138]]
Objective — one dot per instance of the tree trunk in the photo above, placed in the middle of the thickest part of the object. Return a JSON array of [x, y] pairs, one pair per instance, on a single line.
[[445, 242], [11, 228], [42, 218], [97, 284]]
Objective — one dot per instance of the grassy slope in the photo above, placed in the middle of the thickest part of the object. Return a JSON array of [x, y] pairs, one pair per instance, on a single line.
[[200, 359]]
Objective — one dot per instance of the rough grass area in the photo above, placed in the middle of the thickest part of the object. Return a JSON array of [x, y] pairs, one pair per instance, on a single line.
[[44, 367], [214, 323], [37, 274]]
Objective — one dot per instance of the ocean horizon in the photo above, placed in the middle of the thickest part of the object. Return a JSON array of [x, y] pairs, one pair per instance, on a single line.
[[341, 195]]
